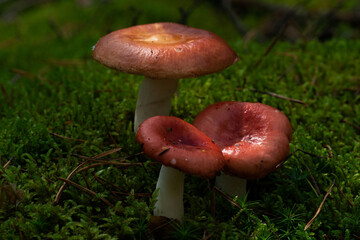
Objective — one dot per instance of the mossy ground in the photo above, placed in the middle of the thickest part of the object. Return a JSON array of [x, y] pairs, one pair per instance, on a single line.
[[50, 86]]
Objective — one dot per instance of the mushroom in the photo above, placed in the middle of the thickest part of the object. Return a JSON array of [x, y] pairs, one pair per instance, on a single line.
[[181, 148], [162, 53], [254, 139]]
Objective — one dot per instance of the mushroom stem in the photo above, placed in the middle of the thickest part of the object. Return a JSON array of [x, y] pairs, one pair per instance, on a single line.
[[170, 196], [234, 186], [154, 99]]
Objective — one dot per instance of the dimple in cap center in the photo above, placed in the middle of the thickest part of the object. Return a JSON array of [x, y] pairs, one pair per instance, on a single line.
[[160, 38]]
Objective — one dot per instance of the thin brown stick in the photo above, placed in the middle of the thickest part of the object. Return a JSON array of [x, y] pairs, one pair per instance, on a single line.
[[272, 44], [67, 138], [88, 191], [343, 194], [8, 162], [30, 76], [104, 154], [66, 62], [320, 207], [277, 237], [88, 159], [110, 163], [18, 227], [208, 236], [168, 222], [100, 180], [110, 183], [331, 155], [351, 124], [57, 198], [312, 178], [308, 153], [108, 159], [106, 183], [135, 194], [85, 180], [213, 203], [240, 26], [356, 236], [281, 97], [227, 197]]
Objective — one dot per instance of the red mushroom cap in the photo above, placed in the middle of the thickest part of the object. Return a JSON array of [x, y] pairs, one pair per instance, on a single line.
[[178, 144], [254, 137], [164, 51]]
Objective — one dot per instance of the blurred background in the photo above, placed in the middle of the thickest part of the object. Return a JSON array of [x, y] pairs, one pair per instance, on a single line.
[[40, 24], [259, 19]]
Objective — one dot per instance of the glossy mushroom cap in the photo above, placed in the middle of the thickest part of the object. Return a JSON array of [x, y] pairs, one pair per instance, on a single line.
[[164, 51], [254, 137], [178, 144]]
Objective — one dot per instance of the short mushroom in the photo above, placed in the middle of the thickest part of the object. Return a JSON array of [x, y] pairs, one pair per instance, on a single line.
[[182, 149], [254, 139], [162, 53]]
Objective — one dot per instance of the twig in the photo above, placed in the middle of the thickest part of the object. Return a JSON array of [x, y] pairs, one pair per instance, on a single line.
[[89, 159], [296, 150], [17, 7], [240, 26], [331, 155], [67, 138], [66, 62], [208, 236], [185, 13], [312, 178], [356, 236], [57, 198], [110, 163], [6, 96], [308, 153], [104, 181], [101, 181], [289, 69], [30, 76], [320, 207], [18, 227], [351, 124], [88, 191], [85, 180], [227, 197], [281, 97], [273, 43], [104, 154], [135, 194], [108, 159], [213, 203], [343, 194], [8, 162]]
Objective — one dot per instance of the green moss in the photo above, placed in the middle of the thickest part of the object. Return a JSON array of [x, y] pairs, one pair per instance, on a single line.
[[50, 86]]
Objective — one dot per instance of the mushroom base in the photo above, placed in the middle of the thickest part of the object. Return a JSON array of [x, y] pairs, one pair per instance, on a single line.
[[231, 185], [170, 187]]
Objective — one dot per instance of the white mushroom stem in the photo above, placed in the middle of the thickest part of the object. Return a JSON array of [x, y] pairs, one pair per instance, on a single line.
[[154, 99], [231, 185], [170, 196]]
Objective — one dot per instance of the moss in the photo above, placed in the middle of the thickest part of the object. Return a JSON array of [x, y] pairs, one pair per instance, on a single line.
[[57, 104]]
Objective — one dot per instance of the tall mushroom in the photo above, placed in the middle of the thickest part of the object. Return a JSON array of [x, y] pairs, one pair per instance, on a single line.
[[162, 53], [183, 149], [254, 139]]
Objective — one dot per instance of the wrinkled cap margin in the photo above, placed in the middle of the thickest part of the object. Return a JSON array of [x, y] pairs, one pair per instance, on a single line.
[[178, 144], [254, 137]]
